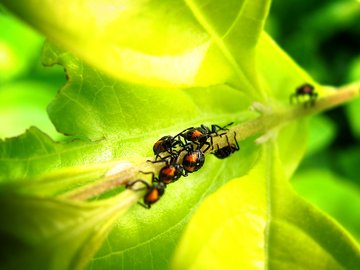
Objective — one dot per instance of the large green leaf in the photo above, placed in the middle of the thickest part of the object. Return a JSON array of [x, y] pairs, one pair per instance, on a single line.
[[49, 233], [319, 140], [178, 43], [338, 198], [95, 105], [257, 222], [34, 153]]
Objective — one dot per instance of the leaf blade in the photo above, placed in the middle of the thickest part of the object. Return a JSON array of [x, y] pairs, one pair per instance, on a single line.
[[292, 231]]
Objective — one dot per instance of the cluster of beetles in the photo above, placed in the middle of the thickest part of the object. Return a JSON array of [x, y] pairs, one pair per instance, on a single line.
[[184, 153], [181, 155]]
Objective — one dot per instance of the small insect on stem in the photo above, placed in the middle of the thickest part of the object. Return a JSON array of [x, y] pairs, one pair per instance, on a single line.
[[193, 160], [154, 190], [166, 144], [303, 91], [200, 135], [227, 150], [172, 171], [182, 154]]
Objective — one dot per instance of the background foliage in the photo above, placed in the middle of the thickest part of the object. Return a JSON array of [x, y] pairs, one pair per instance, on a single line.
[[324, 38]]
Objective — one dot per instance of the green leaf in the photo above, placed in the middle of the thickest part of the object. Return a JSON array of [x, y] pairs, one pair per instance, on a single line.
[[121, 138], [333, 194], [45, 154], [151, 236], [230, 224], [125, 38], [50, 233], [122, 246], [322, 133], [35, 153], [257, 222], [95, 105], [291, 156]]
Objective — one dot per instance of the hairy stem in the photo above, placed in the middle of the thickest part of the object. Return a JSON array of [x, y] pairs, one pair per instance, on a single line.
[[269, 120], [273, 119]]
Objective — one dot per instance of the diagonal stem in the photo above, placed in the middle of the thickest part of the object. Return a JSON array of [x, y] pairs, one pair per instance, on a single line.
[[275, 119]]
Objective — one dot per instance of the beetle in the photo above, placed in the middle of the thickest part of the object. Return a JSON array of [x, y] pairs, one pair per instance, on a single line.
[[166, 144], [305, 90], [193, 160], [154, 191], [228, 149], [200, 135], [171, 173]]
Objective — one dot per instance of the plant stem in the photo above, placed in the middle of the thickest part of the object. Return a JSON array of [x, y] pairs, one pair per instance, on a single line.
[[273, 119], [267, 121]]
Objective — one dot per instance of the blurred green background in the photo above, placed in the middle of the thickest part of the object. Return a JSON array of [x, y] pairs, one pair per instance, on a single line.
[[322, 36], [26, 87]]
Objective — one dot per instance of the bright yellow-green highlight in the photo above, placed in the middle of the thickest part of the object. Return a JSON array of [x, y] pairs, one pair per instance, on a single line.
[[228, 229], [9, 62]]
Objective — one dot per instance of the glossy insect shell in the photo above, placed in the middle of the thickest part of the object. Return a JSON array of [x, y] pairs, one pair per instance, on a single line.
[[154, 193], [224, 152], [193, 161], [196, 134], [305, 89], [227, 150], [163, 144], [170, 173]]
